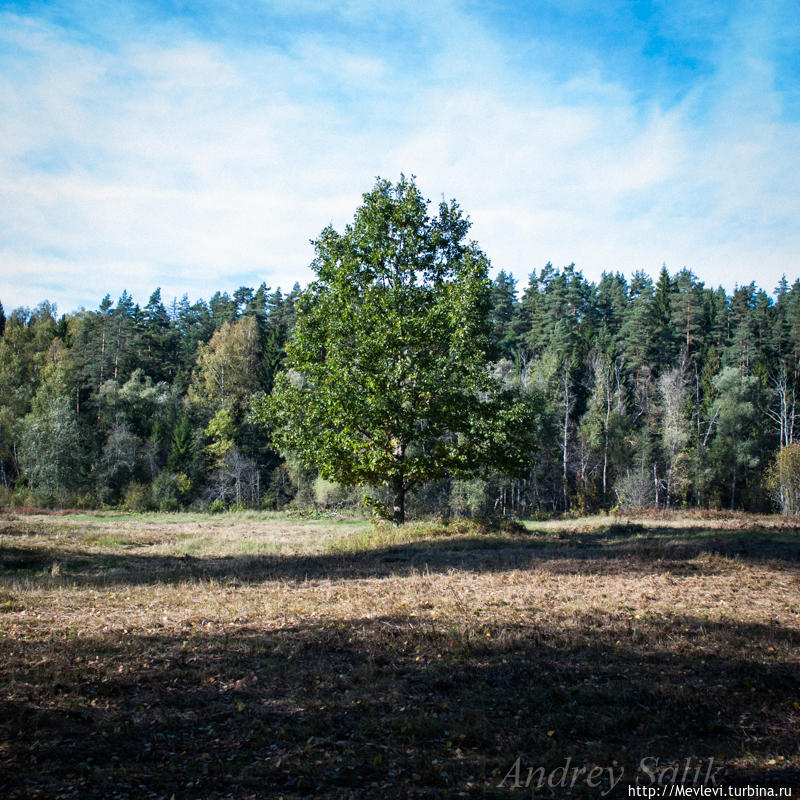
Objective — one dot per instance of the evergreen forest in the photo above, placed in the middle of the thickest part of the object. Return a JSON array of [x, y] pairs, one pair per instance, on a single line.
[[650, 394]]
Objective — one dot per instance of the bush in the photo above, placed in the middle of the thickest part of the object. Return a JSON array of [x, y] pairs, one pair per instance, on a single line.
[[137, 497], [329, 494], [6, 497], [301, 481], [216, 506], [168, 490], [87, 500], [634, 489], [783, 479], [39, 499], [469, 498]]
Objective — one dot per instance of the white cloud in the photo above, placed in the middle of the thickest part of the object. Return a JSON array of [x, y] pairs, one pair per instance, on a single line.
[[193, 166]]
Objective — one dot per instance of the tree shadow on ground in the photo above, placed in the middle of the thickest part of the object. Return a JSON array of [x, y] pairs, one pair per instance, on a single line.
[[618, 549], [388, 707]]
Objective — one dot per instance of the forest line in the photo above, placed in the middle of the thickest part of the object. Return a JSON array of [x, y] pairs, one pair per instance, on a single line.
[[660, 393]]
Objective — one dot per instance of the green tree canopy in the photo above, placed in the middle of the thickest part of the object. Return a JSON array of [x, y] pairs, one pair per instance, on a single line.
[[227, 367], [386, 377], [734, 448]]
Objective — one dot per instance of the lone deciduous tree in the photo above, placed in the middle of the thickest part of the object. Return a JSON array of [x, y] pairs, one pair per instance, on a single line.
[[386, 378]]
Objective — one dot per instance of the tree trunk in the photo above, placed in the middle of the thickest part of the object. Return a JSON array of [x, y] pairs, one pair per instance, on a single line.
[[399, 492], [605, 435], [102, 356], [564, 442], [655, 482]]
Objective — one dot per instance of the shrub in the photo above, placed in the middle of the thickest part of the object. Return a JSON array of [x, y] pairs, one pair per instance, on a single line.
[[6, 497], [165, 491], [87, 500], [634, 489], [470, 498], [783, 479], [329, 494], [137, 497], [269, 502]]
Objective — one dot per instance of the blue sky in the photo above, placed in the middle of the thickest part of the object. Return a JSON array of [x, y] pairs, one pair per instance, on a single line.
[[199, 146]]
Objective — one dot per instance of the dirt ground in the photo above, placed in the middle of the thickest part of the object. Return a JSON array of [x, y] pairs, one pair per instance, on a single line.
[[255, 655]]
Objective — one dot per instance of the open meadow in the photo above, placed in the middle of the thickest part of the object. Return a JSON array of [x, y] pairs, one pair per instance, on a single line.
[[260, 655]]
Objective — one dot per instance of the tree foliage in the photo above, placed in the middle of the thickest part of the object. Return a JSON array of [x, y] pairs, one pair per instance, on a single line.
[[406, 366], [227, 367], [49, 449], [387, 379], [783, 479]]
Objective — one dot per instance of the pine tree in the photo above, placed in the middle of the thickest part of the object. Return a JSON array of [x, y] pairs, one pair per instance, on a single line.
[[687, 316], [223, 309], [611, 303], [502, 316], [638, 322], [666, 349], [158, 344]]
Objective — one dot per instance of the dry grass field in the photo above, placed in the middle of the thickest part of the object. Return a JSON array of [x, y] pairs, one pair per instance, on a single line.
[[256, 655]]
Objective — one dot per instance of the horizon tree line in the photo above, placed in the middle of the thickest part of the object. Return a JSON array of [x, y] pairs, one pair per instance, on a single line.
[[657, 393]]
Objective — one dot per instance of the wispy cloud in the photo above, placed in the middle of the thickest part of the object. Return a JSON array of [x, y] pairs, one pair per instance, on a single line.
[[191, 153]]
